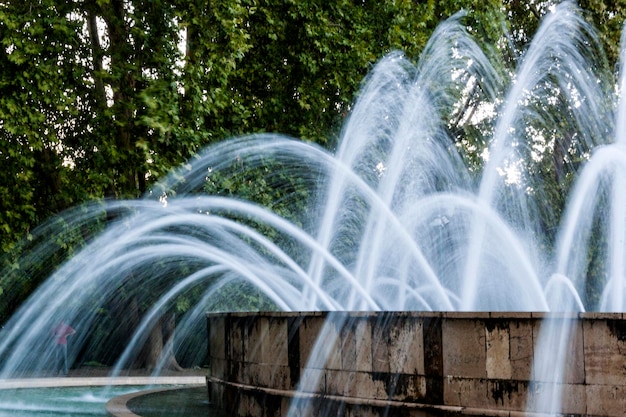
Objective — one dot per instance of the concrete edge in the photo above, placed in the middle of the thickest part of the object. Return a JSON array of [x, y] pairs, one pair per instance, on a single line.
[[441, 314], [389, 404], [118, 406], [100, 381]]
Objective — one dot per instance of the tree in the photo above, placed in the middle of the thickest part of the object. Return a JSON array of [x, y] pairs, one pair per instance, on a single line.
[[78, 84], [100, 98], [295, 67], [570, 119]]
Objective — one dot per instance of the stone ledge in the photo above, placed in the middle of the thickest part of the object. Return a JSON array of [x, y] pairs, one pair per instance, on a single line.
[[11, 383], [452, 314], [118, 406], [386, 404]]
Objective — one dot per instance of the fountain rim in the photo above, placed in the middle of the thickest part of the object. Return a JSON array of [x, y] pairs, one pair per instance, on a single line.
[[68, 382], [435, 314], [118, 406], [451, 350], [391, 404]]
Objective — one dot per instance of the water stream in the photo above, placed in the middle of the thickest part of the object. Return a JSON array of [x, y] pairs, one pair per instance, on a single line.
[[395, 219]]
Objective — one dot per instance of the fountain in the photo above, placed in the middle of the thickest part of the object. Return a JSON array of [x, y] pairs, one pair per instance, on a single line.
[[395, 220]]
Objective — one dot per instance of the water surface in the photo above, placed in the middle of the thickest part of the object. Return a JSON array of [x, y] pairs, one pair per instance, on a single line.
[[65, 401]]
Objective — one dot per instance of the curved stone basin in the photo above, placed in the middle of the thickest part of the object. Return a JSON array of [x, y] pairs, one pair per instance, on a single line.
[[159, 402], [410, 363]]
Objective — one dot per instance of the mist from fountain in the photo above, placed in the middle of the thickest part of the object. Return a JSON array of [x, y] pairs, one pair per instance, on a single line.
[[394, 220]]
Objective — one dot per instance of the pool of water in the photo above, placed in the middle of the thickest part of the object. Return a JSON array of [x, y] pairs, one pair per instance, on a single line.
[[188, 402], [56, 402]]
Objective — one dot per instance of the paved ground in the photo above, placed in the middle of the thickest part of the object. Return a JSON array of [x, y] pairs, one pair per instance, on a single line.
[[102, 376]]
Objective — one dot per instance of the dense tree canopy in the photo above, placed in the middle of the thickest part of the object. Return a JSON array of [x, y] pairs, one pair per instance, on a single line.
[[100, 98]]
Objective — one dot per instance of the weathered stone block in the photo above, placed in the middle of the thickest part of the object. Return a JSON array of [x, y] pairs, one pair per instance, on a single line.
[[368, 385], [337, 382], [466, 392], [498, 361], [507, 394], [380, 346], [263, 341], [550, 365], [407, 387], [321, 335], [521, 349], [574, 399], [285, 406], [277, 342], [544, 398], [464, 350], [362, 411], [312, 380], [216, 336], [574, 354], [308, 331], [605, 347], [258, 351], [218, 368], [406, 347], [245, 407], [237, 337], [329, 346], [264, 375], [236, 371], [606, 400], [348, 347], [363, 338]]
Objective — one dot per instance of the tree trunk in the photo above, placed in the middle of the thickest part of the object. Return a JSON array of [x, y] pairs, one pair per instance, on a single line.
[[124, 75], [559, 153], [157, 350], [169, 359], [97, 55], [153, 347]]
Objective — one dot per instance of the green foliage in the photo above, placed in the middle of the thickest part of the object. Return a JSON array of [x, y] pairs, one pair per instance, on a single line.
[[99, 100], [241, 296], [295, 67], [48, 247]]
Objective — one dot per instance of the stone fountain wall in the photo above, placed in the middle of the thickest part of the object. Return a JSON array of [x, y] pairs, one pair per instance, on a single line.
[[409, 363]]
